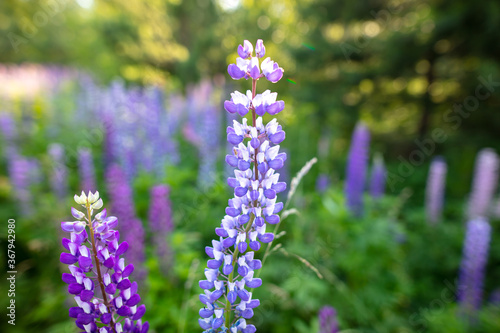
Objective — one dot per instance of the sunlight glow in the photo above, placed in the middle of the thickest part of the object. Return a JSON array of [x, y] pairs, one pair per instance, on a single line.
[[87, 4], [229, 5]]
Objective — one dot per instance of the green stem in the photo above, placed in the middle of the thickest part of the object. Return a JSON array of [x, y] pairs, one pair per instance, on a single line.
[[98, 267]]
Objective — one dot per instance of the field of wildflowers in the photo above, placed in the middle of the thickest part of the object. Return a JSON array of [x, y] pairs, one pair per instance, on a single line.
[[231, 205]]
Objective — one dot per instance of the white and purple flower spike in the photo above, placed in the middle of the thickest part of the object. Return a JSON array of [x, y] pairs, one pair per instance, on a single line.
[[227, 297], [99, 265]]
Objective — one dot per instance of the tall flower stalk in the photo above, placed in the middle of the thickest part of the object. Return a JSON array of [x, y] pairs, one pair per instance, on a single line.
[[131, 229], [472, 269], [255, 156], [434, 192], [378, 178], [357, 163], [107, 301], [160, 223], [86, 170], [484, 184], [59, 172]]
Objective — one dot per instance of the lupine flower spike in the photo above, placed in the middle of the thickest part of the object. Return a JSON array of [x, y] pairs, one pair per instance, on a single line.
[[378, 178], [472, 269], [106, 299], [328, 320], [434, 192], [255, 155], [484, 184], [357, 162]]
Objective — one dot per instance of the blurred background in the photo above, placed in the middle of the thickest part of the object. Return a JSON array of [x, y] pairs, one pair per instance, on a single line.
[[398, 100]]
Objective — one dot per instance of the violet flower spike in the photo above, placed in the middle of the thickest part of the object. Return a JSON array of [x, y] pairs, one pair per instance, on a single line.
[[160, 223], [378, 178], [435, 190], [255, 155], [106, 300], [328, 320], [473, 266], [357, 162], [484, 183]]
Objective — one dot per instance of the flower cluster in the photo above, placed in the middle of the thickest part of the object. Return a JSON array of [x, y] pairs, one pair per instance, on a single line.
[[59, 174], [357, 163], [86, 169], [160, 223], [473, 266], [484, 183], [378, 178], [131, 228], [434, 191], [328, 320], [256, 157], [94, 260]]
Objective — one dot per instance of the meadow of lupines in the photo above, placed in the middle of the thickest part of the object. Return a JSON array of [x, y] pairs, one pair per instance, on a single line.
[[192, 218]]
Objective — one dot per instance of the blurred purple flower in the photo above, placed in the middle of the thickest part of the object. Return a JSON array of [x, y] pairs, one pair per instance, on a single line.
[[472, 270], [20, 175], [122, 206], [203, 129], [328, 320], [8, 127], [59, 171], [435, 189], [160, 223], [357, 162], [322, 183], [378, 178], [86, 170], [484, 183]]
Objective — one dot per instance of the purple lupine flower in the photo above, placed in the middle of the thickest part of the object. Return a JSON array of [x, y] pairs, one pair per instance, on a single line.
[[24, 173], [472, 270], [328, 320], [59, 172], [8, 127], [256, 157], [434, 191], [209, 147], [356, 169], [378, 177], [484, 184], [203, 130], [160, 223], [322, 183], [122, 205], [86, 170], [114, 306]]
